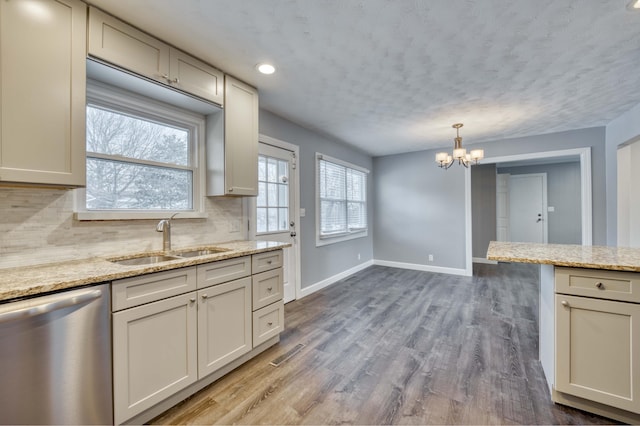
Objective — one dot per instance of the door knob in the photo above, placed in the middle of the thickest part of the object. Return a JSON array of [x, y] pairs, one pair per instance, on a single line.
[[293, 233], [292, 224]]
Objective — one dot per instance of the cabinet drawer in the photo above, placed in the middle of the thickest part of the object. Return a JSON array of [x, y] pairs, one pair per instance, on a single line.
[[225, 270], [266, 261], [267, 288], [136, 291], [613, 285], [268, 322]]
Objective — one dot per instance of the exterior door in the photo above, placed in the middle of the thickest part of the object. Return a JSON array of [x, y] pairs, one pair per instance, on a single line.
[[273, 211], [528, 208]]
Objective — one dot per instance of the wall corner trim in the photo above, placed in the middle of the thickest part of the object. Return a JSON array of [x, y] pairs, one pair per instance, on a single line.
[[333, 279]]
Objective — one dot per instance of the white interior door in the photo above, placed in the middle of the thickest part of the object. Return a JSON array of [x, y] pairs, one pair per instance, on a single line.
[[528, 208], [273, 214], [502, 207]]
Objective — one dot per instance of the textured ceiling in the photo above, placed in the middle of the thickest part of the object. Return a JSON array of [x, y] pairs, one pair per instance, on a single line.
[[390, 76]]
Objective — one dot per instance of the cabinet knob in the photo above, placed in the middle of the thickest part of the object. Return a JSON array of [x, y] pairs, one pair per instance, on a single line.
[[269, 262], [269, 323], [192, 300], [231, 189], [269, 289], [565, 303], [600, 285], [174, 81], [204, 297]]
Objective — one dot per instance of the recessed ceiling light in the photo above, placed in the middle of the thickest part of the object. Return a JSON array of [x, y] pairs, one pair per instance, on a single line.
[[634, 5], [270, 69]]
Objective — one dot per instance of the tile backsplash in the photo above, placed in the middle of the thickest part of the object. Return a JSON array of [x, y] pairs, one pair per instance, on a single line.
[[37, 226]]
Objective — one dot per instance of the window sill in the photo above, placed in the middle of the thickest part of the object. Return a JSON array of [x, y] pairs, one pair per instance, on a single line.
[[323, 241], [148, 215]]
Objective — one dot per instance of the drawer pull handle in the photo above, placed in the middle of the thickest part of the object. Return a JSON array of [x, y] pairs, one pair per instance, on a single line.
[[204, 297], [270, 323], [269, 289], [269, 262], [565, 303], [600, 285]]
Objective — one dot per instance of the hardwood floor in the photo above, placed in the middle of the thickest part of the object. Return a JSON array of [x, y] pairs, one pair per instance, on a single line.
[[393, 346]]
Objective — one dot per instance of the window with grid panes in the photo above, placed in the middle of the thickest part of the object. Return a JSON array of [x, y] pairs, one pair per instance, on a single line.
[[342, 200], [272, 204]]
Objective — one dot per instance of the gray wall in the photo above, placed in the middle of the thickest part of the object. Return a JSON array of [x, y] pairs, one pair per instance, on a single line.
[[419, 210], [623, 129], [563, 193], [483, 207], [319, 263]]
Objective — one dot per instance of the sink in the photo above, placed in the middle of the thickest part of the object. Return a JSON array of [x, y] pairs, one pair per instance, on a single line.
[[200, 252], [145, 260]]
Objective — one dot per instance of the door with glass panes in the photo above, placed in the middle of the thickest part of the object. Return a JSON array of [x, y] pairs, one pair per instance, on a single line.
[[273, 211]]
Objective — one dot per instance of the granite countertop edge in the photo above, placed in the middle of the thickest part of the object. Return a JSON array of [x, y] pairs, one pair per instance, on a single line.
[[570, 255], [33, 280]]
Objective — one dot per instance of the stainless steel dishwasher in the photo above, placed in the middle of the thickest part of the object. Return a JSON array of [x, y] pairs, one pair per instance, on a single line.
[[55, 358]]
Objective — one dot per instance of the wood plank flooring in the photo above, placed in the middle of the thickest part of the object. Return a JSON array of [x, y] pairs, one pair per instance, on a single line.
[[393, 346]]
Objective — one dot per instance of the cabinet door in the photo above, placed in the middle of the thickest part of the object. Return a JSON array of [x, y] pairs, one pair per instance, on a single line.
[[154, 353], [240, 138], [42, 92], [195, 77], [224, 324], [120, 44], [597, 350]]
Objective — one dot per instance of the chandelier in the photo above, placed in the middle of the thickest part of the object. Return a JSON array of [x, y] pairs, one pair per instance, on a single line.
[[445, 160]]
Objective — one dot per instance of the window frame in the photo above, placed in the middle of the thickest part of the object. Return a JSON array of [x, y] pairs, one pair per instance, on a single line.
[[113, 98], [322, 240]]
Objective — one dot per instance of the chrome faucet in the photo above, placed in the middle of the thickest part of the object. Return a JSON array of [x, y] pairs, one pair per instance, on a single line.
[[164, 226]]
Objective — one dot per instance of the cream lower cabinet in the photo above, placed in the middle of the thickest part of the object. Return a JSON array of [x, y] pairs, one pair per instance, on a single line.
[[224, 324], [597, 340], [42, 92], [154, 353]]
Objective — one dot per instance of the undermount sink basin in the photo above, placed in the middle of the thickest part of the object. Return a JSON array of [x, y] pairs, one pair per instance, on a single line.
[[202, 252], [145, 260]]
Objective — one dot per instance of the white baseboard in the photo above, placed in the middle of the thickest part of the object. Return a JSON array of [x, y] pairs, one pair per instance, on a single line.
[[483, 260], [418, 267], [328, 281]]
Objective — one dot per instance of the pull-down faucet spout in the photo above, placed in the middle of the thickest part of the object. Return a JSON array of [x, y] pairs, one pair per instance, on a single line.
[[164, 226]]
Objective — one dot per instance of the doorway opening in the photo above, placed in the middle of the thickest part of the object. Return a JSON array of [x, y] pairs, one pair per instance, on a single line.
[[579, 155]]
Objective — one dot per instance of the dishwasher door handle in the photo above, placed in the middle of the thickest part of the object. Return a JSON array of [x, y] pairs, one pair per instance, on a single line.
[[45, 308]]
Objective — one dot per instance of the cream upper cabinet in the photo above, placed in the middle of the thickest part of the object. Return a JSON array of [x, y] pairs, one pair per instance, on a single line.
[[195, 77], [42, 92], [232, 159], [120, 44]]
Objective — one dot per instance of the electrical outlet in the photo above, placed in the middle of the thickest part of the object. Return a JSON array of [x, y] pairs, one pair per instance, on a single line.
[[430, 258], [358, 256], [234, 226]]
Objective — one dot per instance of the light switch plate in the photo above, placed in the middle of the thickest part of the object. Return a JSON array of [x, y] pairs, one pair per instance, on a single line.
[[551, 209], [303, 212]]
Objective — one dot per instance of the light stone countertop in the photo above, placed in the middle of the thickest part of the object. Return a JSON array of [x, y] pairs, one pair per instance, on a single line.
[[595, 257], [33, 280]]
